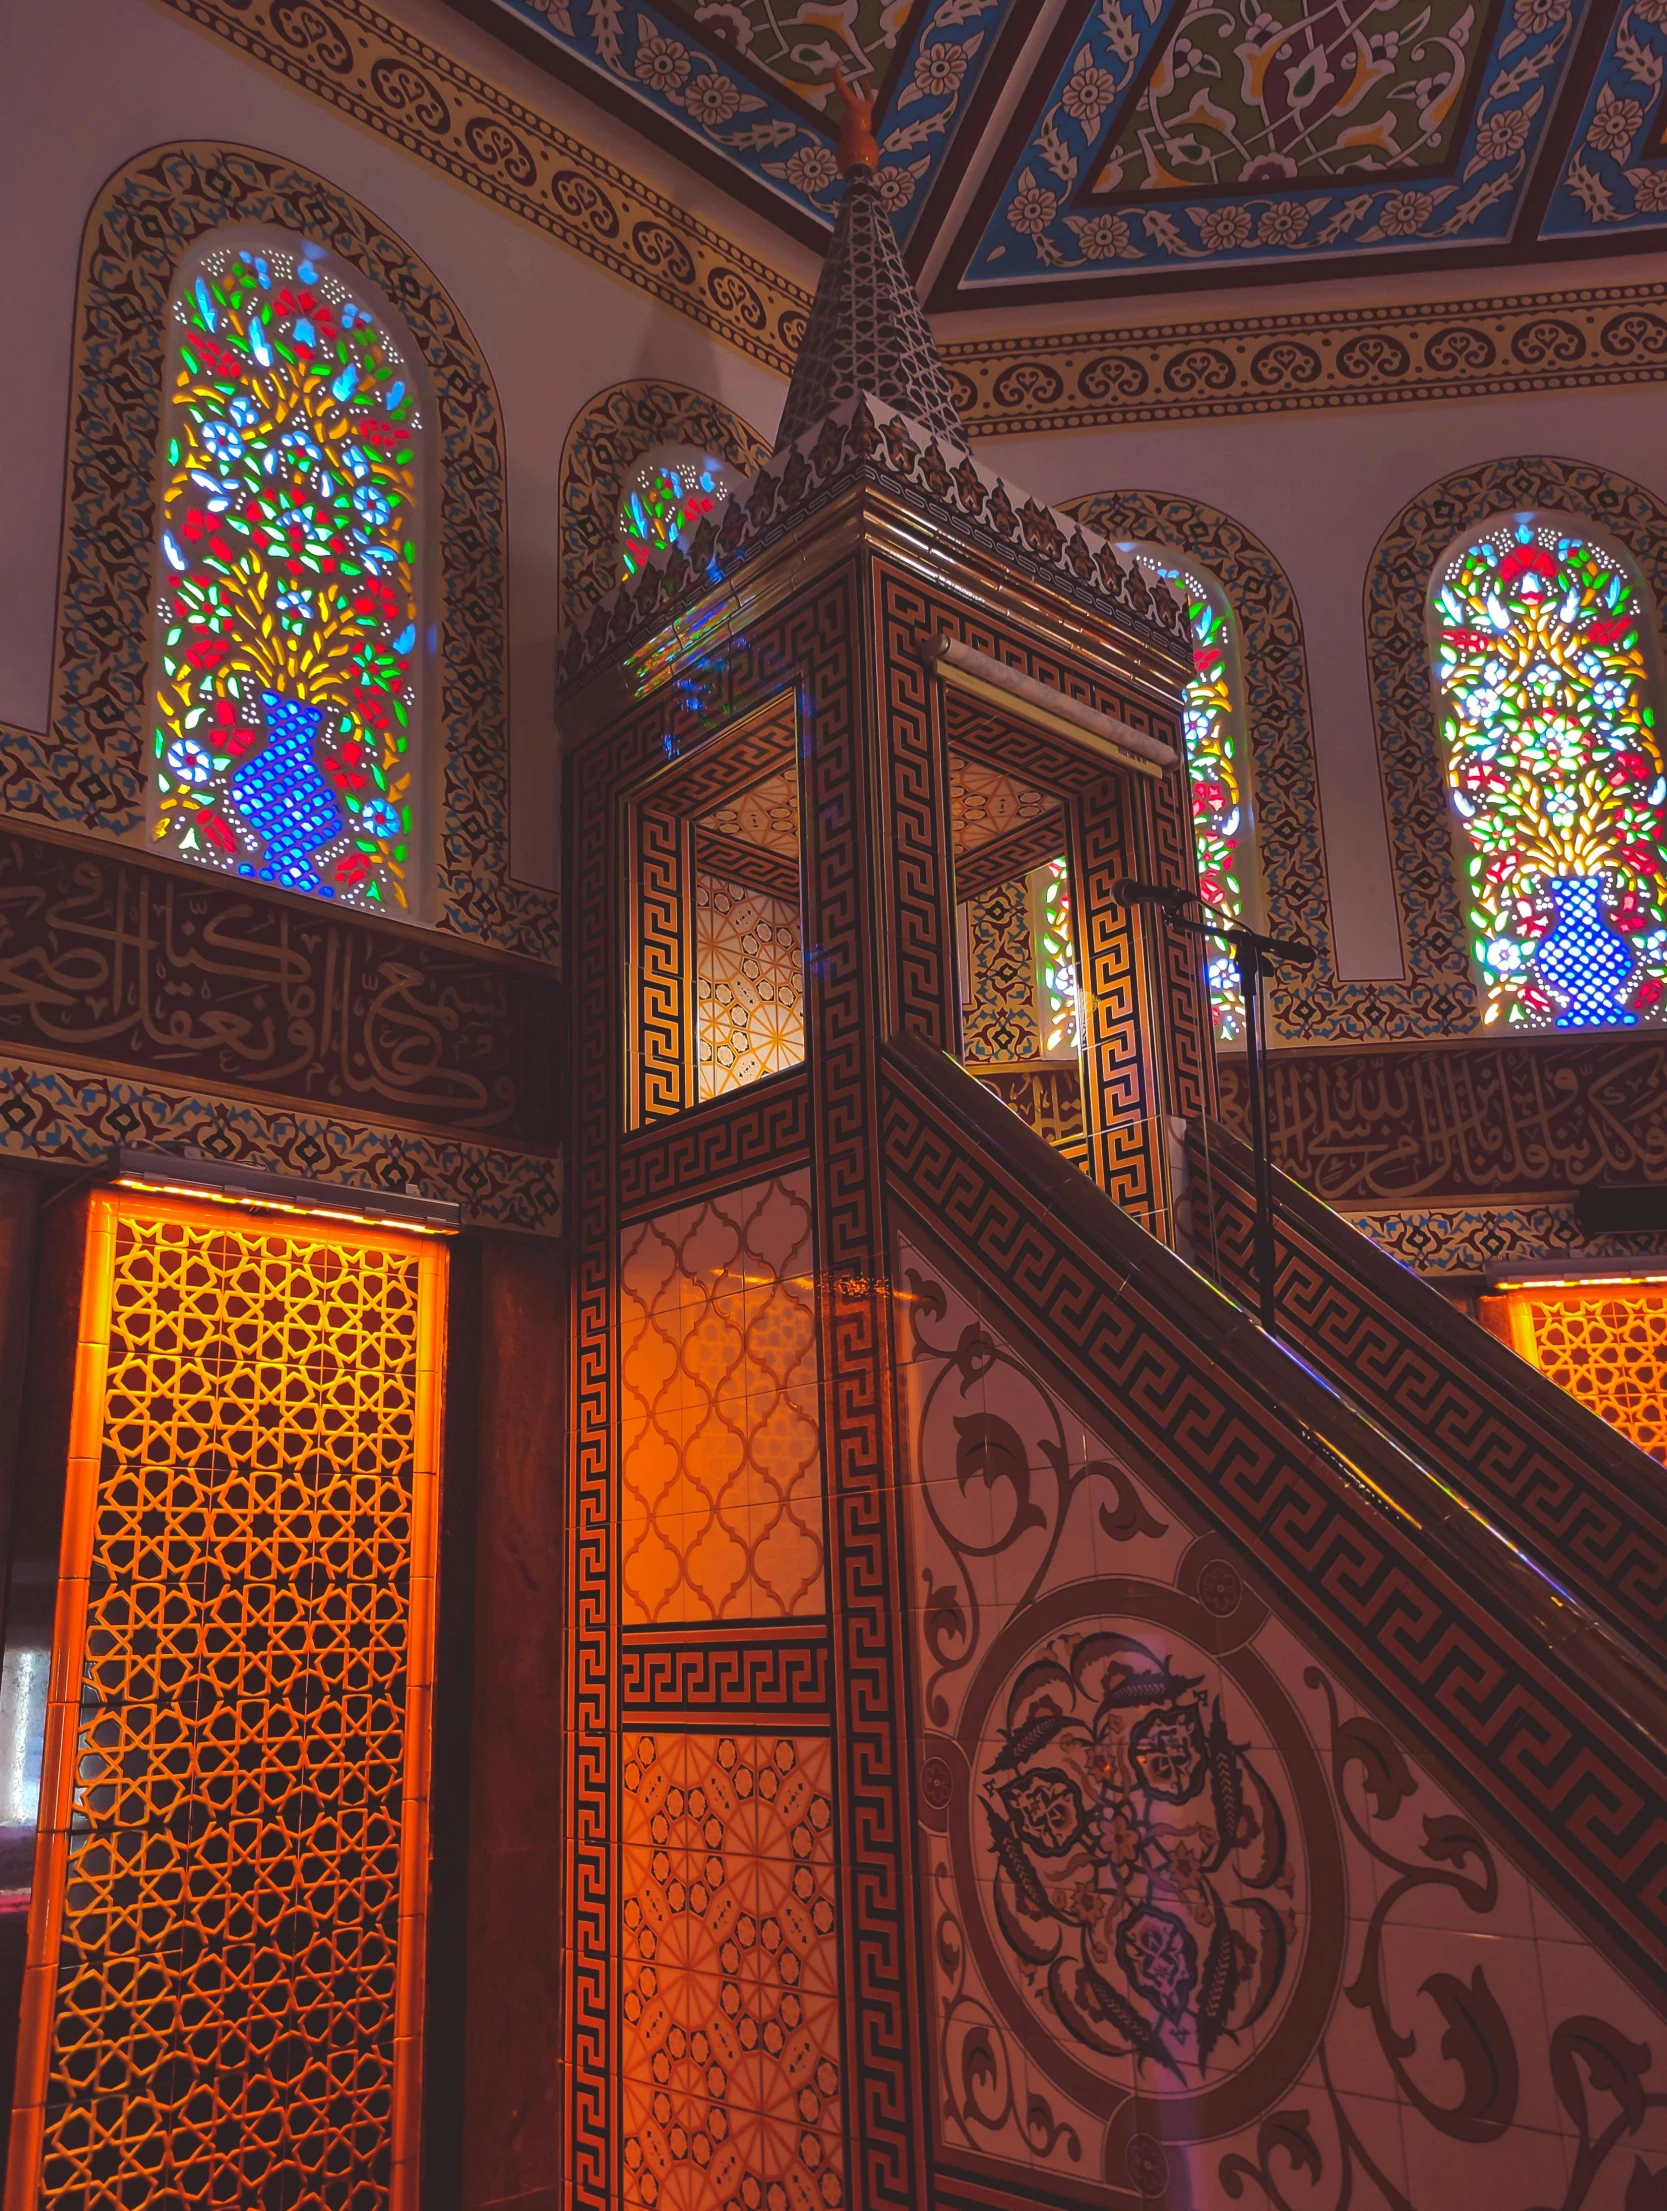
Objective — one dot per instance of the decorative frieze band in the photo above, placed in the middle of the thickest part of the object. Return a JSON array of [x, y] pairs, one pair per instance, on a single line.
[[355, 58], [360, 61], [1482, 1122], [1337, 357], [145, 969]]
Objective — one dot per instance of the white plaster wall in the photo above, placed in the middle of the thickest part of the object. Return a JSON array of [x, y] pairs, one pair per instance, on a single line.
[[87, 84], [1318, 490]]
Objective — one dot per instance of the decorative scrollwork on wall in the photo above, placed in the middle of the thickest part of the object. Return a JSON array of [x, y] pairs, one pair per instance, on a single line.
[[1198, 1926], [89, 771], [1427, 884], [612, 432]]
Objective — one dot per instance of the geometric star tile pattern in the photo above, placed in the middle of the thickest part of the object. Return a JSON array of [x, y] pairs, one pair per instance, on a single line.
[[985, 803], [720, 1509], [229, 1956], [1607, 1346], [730, 2059], [749, 968], [766, 815]]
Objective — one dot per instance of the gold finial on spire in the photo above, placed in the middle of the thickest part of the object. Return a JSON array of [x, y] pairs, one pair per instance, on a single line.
[[858, 147]]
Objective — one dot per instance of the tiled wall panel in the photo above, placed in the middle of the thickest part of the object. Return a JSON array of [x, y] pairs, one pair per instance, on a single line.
[[1200, 1928]]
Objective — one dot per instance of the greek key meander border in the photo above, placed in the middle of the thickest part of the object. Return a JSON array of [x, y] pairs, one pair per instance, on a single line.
[[1069, 380], [1279, 1500]]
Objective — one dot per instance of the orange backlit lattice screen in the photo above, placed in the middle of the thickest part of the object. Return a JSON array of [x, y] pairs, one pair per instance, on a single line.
[[224, 1986], [1603, 1342]]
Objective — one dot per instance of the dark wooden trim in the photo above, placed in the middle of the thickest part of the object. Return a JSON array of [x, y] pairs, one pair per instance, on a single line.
[[445, 1989], [1015, 852]]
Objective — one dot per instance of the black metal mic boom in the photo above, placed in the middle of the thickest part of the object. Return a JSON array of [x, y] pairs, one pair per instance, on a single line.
[[1128, 890]]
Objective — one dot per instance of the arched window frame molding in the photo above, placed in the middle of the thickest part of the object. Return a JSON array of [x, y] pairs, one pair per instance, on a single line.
[[609, 436], [91, 771], [1279, 745], [1423, 848], [1201, 581], [678, 460]]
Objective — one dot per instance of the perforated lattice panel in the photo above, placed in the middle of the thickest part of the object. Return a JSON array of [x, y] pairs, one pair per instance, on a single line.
[[1607, 1346], [232, 1872]]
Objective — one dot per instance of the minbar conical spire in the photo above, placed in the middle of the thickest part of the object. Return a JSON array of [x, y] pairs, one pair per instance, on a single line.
[[866, 332]]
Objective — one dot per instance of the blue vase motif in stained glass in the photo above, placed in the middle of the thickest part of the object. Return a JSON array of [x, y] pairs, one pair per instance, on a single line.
[[286, 801], [1582, 959]]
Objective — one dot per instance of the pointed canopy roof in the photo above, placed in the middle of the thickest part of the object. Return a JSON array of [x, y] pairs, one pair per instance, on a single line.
[[866, 332], [870, 401]]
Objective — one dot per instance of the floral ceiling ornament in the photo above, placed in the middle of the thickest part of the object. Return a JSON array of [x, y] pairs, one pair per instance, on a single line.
[[1616, 178], [753, 79], [1255, 138]]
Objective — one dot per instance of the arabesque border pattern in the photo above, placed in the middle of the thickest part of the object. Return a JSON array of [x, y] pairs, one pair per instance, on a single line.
[[90, 771], [358, 60], [1487, 1699], [1398, 578], [1313, 1006], [609, 434]]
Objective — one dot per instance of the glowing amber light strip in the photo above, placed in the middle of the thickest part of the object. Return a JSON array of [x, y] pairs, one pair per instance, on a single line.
[[68, 1729]]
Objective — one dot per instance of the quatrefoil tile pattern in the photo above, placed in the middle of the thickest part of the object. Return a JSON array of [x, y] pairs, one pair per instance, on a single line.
[[229, 1959], [730, 2066], [720, 1507]]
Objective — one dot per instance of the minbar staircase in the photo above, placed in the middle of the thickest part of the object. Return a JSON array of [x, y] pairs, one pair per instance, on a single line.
[[1430, 1526], [1578, 1498]]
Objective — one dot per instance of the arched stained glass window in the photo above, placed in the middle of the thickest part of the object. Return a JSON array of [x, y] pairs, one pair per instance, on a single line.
[[292, 632], [1213, 733], [671, 492], [1542, 640]]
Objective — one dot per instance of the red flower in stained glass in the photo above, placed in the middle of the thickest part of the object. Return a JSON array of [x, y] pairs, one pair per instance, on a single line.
[[1528, 560]]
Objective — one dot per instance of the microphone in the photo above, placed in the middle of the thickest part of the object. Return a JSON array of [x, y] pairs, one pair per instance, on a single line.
[[1128, 890], [1292, 953]]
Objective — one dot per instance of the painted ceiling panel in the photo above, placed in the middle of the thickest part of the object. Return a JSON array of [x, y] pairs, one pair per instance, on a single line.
[[1160, 141], [751, 81], [1208, 136], [1615, 180]]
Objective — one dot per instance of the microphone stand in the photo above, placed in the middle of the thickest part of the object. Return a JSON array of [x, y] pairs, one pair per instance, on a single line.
[[1253, 956]]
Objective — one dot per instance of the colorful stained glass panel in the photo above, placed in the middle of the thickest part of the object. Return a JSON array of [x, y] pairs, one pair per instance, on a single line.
[[1208, 725], [285, 745], [669, 497], [1058, 999], [1550, 725]]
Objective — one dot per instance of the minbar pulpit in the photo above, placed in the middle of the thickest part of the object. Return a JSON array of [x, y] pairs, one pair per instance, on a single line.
[[802, 822]]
